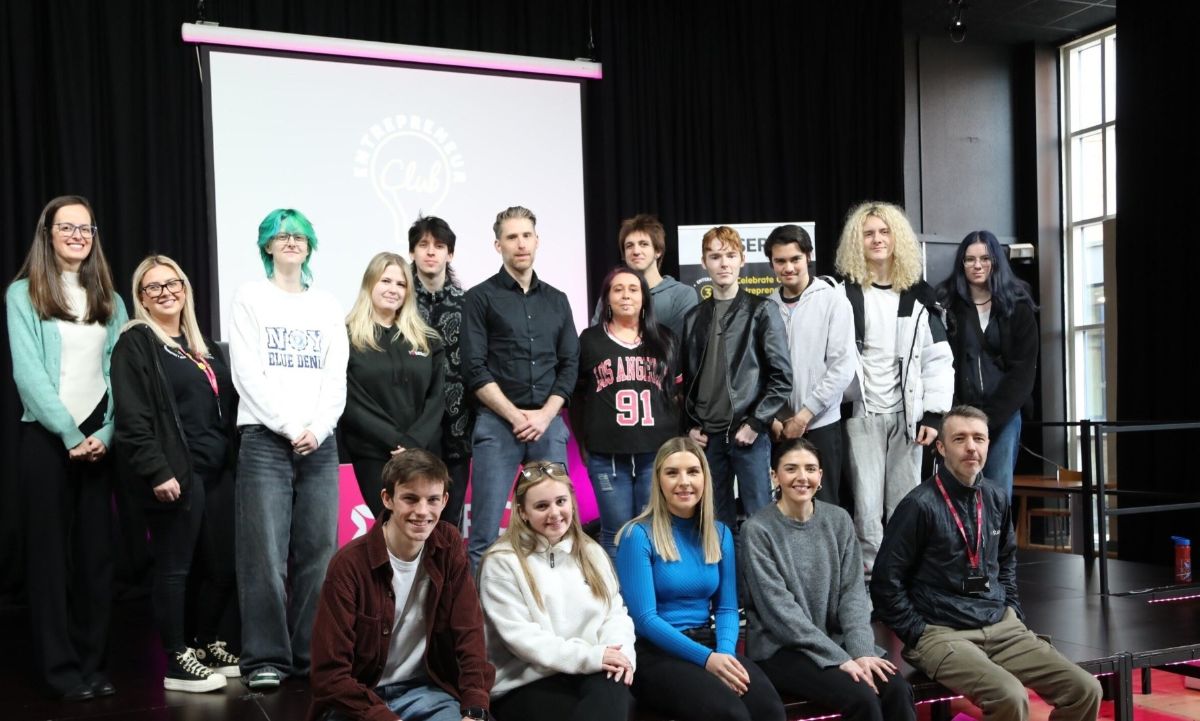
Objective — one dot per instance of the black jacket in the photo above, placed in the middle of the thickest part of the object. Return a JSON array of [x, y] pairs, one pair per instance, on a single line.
[[150, 442], [1014, 366], [756, 350], [922, 562]]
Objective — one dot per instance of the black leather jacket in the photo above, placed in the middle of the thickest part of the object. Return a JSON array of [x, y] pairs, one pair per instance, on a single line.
[[760, 367], [922, 562]]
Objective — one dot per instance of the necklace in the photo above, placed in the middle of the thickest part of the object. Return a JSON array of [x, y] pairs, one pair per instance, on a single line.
[[989, 300]]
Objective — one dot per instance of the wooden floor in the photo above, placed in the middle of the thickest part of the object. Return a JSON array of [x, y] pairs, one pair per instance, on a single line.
[[1058, 594]]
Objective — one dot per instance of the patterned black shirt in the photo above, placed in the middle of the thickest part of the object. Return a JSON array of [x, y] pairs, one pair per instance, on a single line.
[[443, 311]]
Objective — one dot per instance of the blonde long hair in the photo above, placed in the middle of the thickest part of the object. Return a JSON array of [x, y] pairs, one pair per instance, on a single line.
[[659, 513], [407, 320], [906, 254], [522, 540], [188, 327]]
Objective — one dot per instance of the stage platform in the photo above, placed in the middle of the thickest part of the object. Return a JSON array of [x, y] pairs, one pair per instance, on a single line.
[[1115, 636]]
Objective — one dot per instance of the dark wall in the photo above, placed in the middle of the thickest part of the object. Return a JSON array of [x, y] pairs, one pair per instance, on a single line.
[[1157, 187], [729, 111]]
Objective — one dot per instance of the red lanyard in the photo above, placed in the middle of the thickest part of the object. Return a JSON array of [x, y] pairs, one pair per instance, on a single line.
[[206, 367], [972, 556]]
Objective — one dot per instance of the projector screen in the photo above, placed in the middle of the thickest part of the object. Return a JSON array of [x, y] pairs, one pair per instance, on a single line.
[[363, 145]]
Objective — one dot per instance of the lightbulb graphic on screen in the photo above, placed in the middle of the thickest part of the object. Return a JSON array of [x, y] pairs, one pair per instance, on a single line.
[[411, 163]]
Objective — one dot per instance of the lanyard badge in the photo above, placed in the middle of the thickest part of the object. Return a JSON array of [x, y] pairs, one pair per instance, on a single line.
[[976, 582]]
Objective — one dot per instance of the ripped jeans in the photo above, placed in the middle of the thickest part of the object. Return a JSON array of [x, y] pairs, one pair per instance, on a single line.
[[622, 486]]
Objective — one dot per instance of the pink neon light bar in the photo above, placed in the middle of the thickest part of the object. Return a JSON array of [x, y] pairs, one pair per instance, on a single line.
[[341, 47]]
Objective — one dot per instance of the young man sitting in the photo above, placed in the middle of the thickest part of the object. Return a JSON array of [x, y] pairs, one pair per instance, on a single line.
[[399, 630]]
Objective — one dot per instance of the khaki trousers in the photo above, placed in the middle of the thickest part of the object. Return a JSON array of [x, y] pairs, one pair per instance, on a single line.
[[992, 665]]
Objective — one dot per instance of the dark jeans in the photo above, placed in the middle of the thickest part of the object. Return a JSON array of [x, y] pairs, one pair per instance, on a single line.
[[214, 573], [69, 522], [795, 674], [683, 691], [286, 533], [752, 466], [585, 697], [622, 484], [173, 536], [828, 440]]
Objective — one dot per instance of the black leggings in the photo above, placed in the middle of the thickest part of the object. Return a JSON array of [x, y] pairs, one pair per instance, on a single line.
[[682, 690], [179, 536], [795, 674], [589, 697]]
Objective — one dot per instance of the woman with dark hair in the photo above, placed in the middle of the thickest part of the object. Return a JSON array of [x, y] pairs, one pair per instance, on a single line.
[[992, 324], [63, 321], [559, 635], [288, 352], [679, 579], [394, 377], [624, 405], [175, 429], [807, 611]]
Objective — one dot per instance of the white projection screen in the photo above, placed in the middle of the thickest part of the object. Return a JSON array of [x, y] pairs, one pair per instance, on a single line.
[[363, 137]]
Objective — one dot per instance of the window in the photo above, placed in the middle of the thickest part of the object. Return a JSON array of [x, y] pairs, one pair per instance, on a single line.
[[1089, 86]]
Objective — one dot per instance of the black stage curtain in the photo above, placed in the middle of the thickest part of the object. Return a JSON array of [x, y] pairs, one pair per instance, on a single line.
[[740, 112], [1157, 184]]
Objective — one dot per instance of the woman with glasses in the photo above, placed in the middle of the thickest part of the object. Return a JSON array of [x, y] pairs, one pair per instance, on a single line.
[[63, 321], [394, 378], [175, 410], [992, 325], [807, 611], [624, 405], [676, 566], [559, 635], [288, 351]]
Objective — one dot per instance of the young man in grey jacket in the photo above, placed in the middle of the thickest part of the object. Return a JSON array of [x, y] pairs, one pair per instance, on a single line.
[[820, 336]]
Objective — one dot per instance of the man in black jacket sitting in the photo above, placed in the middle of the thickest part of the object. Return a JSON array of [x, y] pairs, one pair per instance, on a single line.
[[945, 582]]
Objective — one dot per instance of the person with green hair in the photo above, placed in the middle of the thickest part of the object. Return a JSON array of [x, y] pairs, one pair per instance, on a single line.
[[288, 352]]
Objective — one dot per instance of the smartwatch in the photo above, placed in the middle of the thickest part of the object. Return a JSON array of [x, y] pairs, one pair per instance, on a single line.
[[475, 712]]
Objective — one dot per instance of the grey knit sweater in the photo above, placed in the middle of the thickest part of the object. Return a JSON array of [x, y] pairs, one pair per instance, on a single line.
[[805, 587]]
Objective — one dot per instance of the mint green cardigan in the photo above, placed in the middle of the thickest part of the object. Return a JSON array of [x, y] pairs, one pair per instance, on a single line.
[[37, 354]]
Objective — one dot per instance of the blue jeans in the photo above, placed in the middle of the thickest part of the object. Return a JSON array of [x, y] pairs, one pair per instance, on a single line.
[[416, 700], [498, 455], [286, 532], [1002, 454], [751, 464], [622, 484]]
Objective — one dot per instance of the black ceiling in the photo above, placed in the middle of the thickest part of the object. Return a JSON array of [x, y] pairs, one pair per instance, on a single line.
[[1012, 21]]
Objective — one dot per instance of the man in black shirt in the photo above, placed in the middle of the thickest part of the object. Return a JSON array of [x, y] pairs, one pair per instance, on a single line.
[[946, 582], [521, 359]]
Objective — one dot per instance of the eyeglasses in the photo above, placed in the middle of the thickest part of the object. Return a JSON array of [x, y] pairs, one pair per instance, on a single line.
[[66, 230], [533, 472], [984, 260], [156, 289], [300, 239]]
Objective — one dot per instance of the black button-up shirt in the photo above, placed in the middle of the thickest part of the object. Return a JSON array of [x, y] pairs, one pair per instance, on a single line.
[[523, 342]]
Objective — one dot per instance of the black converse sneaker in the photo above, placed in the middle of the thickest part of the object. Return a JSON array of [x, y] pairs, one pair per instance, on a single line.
[[218, 659], [186, 673]]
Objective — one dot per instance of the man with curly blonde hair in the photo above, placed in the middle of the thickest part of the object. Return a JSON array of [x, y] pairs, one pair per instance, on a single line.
[[904, 379]]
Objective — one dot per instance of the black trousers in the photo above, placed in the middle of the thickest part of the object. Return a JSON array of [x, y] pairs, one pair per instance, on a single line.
[[684, 691], [587, 697], [369, 474], [828, 440], [795, 674], [460, 476], [214, 570], [369, 471], [69, 526]]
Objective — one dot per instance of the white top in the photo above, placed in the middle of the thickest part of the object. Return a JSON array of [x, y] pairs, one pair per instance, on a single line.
[[985, 314], [288, 353], [527, 643], [81, 384], [406, 652], [881, 366]]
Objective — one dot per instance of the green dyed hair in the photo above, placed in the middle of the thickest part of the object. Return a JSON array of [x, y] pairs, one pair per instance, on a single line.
[[291, 221]]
